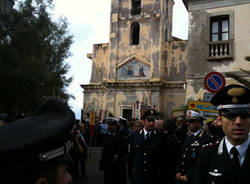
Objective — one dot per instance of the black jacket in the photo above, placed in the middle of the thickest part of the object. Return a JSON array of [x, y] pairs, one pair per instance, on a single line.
[[214, 166], [190, 151], [113, 159], [148, 158]]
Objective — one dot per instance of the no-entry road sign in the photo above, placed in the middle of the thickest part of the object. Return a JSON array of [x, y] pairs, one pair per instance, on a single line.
[[214, 82]]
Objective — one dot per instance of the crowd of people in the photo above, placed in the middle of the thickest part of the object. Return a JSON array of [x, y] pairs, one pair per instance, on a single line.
[[184, 150], [52, 147]]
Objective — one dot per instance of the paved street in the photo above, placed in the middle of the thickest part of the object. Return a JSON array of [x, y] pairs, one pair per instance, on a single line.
[[93, 175]]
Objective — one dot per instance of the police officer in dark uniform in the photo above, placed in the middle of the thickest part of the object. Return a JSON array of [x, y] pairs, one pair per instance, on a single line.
[[123, 129], [228, 161], [191, 146], [34, 149], [113, 159], [147, 152]]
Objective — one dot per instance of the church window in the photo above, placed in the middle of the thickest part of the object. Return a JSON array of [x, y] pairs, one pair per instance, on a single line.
[[135, 33], [136, 7]]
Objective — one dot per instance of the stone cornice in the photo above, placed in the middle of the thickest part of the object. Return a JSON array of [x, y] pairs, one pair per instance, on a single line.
[[127, 85], [194, 5]]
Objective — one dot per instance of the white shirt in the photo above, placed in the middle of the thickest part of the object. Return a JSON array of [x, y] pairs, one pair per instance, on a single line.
[[242, 149], [145, 133], [197, 132]]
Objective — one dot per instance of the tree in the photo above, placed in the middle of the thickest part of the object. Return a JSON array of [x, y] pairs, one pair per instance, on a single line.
[[33, 49]]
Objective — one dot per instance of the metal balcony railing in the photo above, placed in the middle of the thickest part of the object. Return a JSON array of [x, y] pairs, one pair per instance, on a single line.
[[220, 50]]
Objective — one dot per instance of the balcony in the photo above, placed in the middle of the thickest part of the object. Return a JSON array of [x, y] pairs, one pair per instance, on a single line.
[[220, 50]]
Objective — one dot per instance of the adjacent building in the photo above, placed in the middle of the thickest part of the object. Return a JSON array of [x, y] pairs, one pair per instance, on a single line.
[[219, 41]]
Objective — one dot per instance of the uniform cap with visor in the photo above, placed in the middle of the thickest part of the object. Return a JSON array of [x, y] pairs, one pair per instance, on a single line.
[[27, 144], [194, 115], [150, 115], [233, 99]]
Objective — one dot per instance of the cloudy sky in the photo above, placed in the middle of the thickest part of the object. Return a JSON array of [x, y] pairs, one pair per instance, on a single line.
[[89, 24]]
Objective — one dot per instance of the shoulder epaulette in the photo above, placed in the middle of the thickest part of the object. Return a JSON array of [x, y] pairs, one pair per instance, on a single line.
[[210, 145], [201, 133]]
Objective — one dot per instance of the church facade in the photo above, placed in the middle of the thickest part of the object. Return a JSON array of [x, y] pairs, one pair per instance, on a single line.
[[143, 65]]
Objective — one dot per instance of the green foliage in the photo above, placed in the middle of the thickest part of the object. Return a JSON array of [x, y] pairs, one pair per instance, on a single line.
[[33, 49]]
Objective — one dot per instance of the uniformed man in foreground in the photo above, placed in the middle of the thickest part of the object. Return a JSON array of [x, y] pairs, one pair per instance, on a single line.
[[33, 150], [191, 146], [114, 154], [228, 161], [147, 153]]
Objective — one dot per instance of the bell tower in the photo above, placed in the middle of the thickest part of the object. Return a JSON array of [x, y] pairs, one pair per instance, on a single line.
[[138, 32]]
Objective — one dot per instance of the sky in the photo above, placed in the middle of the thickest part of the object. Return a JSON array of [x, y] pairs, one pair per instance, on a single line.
[[89, 23]]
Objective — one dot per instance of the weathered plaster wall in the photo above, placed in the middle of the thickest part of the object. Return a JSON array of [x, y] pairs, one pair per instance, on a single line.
[[173, 68], [171, 99], [100, 62], [198, 65], [94, 100], [129, 97], [113, 99], [154, 19], [174, 61]]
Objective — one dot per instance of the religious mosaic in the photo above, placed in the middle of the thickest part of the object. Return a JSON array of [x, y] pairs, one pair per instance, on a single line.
[[133, 70]]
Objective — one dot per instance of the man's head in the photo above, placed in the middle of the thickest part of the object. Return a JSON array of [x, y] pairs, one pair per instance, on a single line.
[[233, 103], [194, 120], [179, 121], [52, 173], [122, 122], [159, 124], [149, 119], [138, 125], [112, 123]]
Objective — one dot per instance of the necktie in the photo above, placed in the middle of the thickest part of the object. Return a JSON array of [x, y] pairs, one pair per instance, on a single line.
[[235, 160], [192, 136], [147, 136]]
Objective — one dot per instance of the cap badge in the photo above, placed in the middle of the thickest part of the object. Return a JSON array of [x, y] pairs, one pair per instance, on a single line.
[[236, 92], [151, 112]]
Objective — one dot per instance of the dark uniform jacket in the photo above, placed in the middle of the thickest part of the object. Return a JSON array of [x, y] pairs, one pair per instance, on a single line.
[[214, 166], [125, 134], [113, 159], [181, 133], [190, 150], [147, 158]]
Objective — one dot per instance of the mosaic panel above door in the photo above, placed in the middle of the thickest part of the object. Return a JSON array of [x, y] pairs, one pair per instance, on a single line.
[[133, 70]]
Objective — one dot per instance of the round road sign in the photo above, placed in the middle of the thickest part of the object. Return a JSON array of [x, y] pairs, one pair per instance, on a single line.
[[214, 82]]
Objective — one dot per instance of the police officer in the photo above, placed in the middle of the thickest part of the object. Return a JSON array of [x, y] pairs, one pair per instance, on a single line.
[[33, 150], [191, 146], [123, 129], [228, 160], [147, 153], [113, 158]]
